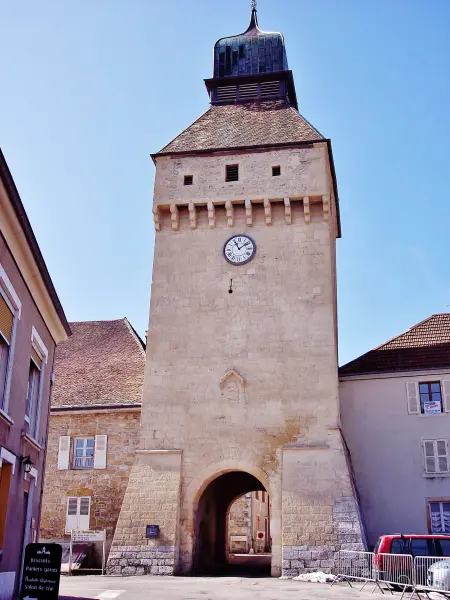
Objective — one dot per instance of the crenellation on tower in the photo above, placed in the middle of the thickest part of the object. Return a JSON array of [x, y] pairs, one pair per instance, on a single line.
[[284, 211]]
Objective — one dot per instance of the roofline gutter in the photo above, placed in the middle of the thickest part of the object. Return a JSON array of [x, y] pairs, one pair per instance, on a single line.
[[308, 144], [302, 144], [16, 203], [394, 372], [91, 407]]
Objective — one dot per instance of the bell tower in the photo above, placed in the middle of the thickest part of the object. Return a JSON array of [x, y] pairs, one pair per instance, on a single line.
[[241, 384]]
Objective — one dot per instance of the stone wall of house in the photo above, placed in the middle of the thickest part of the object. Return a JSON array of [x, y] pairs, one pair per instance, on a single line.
[[106, 487], [277, 331], [239, 524]]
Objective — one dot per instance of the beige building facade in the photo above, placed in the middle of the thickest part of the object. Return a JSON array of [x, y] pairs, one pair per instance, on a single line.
[[32, 322], [241, 383], [395, 404]]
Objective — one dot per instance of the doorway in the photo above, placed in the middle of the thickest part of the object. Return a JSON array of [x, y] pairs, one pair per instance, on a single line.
[[213, 554]]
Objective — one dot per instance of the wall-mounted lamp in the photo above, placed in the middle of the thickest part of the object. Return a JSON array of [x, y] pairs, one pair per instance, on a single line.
[[27, 464]]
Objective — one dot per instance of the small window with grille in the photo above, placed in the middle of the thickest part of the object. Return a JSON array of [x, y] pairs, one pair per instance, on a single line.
[[232, 173], [276, 171], [188, 179]]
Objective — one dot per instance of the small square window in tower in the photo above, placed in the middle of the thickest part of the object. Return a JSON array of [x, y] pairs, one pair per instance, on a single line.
[[276, 171], [232, 173], [188, 179]]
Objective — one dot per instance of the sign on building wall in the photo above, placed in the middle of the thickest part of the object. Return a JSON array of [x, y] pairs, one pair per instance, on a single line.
[[432, 407], [88, 536], [41, 572], [152, 531]]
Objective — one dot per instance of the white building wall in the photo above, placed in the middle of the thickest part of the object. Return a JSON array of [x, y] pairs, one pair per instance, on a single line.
[[385, 443]]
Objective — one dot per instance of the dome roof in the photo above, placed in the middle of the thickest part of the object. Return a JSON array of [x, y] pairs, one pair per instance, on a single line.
[[250, 53]]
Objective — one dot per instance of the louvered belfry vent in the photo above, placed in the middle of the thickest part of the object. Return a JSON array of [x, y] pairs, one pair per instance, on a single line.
[[270, 89], [248, 91], [232, 173], [226, 93]]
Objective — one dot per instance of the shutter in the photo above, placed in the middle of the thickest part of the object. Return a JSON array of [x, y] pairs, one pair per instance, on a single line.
[[72, 514], [446, 516], [430, 459], [63, 452], [442, 454], [446, 395], [85, 509], [101, 442], [6, 319], [412, 394]]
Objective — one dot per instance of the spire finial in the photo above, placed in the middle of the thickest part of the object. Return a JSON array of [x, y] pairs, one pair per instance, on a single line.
[[253, 18]]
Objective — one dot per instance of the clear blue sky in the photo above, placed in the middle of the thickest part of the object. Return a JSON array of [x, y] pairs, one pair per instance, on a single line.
[[90, 88]]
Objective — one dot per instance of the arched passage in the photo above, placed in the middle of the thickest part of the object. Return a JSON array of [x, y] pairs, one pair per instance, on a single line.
[[210, 539]]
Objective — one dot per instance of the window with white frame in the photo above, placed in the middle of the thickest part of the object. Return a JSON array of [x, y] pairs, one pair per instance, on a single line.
[[10, 309], [88, 452], [78, 513], [428, 397], [83, 455], [33, 392], [436, 456], [440, 517], [38, 360]]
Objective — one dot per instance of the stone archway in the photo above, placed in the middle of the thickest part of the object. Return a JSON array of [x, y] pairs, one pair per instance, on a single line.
[[210, 522]]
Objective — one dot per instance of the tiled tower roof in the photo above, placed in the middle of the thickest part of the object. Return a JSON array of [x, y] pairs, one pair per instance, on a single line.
[[244, 125]]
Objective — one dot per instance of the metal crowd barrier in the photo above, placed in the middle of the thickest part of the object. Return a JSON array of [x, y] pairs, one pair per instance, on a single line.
[[352, 565], [394, 571], [431, 574]]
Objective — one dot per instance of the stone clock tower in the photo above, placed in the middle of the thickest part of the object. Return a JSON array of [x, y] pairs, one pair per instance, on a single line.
[[241, 386]]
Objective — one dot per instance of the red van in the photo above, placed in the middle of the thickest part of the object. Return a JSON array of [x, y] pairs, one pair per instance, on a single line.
[[414, 544], [398, 569]]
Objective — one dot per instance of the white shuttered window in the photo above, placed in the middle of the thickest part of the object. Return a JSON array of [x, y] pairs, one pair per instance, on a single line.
[[412, 394], [101, 442], [78, 513], [63, 452], [436, 456], [446, 395]]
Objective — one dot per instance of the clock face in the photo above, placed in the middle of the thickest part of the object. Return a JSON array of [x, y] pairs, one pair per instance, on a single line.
[[239, 249]]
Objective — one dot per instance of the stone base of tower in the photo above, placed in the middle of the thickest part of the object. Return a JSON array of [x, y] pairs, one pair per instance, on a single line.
[[152, 498], [320, 514]]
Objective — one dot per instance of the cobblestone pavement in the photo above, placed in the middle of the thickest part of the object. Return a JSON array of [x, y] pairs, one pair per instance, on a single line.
[[205, 588]]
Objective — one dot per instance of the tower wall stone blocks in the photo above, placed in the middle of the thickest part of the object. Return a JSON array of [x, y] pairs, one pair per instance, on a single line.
[[277, 331]]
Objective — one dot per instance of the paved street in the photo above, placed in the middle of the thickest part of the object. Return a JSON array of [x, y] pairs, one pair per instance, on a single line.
[[206, 588]]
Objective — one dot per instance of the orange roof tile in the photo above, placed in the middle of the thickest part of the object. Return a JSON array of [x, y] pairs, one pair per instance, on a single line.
[[424, 346], [101, 363]]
